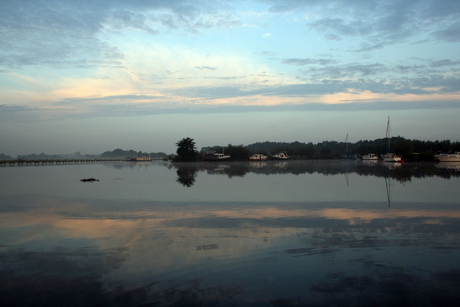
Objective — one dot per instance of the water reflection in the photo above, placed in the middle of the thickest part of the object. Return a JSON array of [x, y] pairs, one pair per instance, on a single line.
[[388, 189], [452, 167], [186, 176], [105, 253], [315, 241], [398, 171]]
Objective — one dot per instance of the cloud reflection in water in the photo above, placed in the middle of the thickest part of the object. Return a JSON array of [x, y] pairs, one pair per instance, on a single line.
[[89, 250]]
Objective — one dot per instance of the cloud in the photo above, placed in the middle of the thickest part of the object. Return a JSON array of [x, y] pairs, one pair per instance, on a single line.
[[408, 68], [8, 109], [122, 20], [35, 115], [450, 34], [341, 84], [340, 26], [366, 47], [377, 23], [307, 61], [67, 34], [205, 68], [290, 5], [332, 37], [346, 71], [377, 28], [216, 20], [445, 62], [444, 10], [429, 85], [60, 35], [70, 34]]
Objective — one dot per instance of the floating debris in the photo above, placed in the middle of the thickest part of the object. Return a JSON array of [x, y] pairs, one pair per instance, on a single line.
[[92, 179]]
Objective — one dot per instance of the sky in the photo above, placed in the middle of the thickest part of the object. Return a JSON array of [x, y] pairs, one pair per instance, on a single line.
[[93, 76]]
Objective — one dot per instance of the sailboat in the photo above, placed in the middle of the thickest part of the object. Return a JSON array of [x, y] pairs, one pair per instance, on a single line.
[[390, 156], [347, 156]]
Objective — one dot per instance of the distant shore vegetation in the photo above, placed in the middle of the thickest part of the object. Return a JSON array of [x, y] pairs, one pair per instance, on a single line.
[[114, 154], [411, 150]]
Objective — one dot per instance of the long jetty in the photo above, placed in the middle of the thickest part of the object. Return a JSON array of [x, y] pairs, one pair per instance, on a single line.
[[59, 161]]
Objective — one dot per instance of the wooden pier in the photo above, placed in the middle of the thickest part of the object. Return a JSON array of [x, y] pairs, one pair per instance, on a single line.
[[58, 162]]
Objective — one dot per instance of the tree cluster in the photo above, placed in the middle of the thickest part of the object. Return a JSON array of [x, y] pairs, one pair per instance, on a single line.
[[41, 156], [411, 150], [120, 153], [5, 157]]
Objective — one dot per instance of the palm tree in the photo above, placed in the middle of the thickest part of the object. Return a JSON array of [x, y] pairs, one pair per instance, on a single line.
[[186, 150]]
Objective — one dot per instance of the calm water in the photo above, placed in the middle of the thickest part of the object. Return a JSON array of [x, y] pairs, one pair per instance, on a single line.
[[316, 233]]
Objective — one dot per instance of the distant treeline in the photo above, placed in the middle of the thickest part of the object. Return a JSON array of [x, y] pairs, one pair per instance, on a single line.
[[120, 153], [117, 153], [5, 157], [411, 150], [41, 156]]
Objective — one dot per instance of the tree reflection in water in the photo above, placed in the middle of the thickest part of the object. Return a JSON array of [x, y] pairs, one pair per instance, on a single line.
[[401, 172], [186, 176]]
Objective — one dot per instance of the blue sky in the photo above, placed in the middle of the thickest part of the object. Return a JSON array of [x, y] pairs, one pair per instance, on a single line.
[[97, 75]]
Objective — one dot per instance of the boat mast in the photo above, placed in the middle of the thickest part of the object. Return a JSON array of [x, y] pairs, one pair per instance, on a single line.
[[388, 132], [346, 141]]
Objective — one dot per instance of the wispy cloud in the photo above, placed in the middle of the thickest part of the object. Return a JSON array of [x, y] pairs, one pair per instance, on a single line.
[[445, 62], [379, 23], [205, 68], [307, 61], [449, 34]]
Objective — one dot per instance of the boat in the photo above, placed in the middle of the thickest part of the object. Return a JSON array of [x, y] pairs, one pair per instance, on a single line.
[[258, 157], [139, 159], [390, 156], [281, 156], [214, 156], [447, 157], [348, 155], [370, 156]]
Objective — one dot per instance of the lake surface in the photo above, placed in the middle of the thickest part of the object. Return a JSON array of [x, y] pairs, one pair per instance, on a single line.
[[307, 233]]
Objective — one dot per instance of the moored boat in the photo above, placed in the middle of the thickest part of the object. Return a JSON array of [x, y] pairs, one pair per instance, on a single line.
[[258, 157], [139, 159], [370, 156], [214, 156], [281, 156], [390, 156], [446, 157]]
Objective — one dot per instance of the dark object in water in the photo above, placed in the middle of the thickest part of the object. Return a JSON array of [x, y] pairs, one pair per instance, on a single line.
[[92, 179]]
